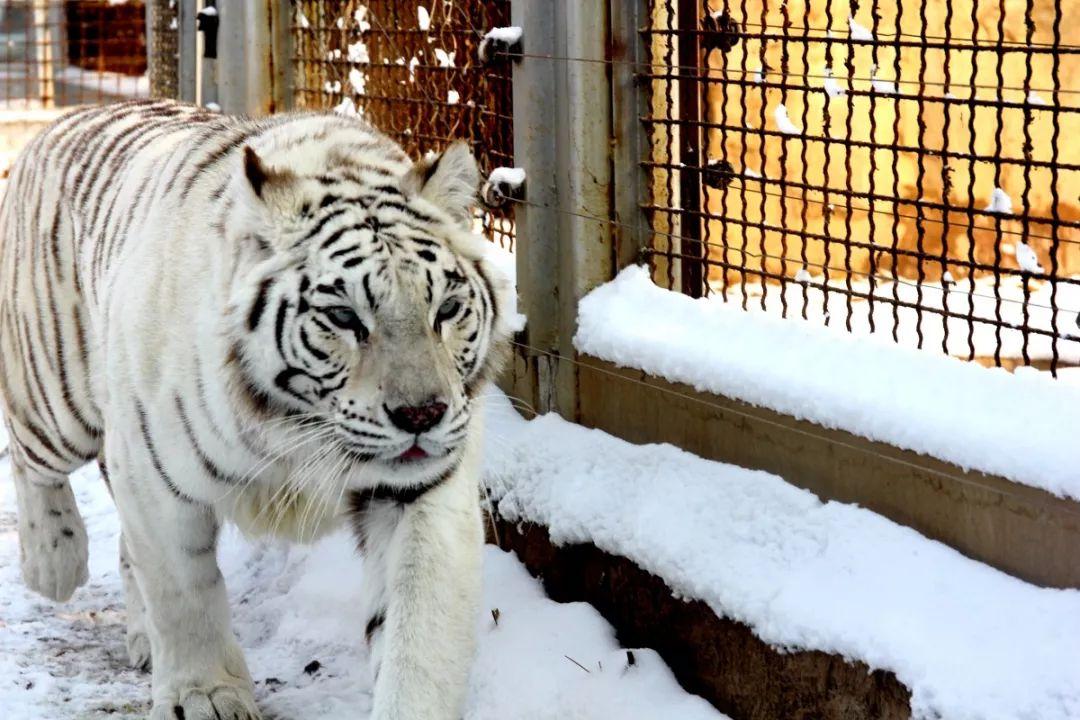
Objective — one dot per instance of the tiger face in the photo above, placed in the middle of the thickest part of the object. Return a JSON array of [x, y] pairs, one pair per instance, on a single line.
[[370, 314]]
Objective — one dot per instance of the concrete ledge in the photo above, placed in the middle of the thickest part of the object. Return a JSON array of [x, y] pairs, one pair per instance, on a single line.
[[717, 658], [1023, 531]]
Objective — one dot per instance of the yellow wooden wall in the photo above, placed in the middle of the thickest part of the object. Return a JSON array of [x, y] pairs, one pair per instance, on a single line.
[[885, 120]]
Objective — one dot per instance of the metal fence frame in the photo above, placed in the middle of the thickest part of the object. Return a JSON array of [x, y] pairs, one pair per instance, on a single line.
[[699, 33]]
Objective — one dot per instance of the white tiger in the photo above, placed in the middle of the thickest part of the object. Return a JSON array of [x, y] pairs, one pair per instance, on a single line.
[[281, 322]]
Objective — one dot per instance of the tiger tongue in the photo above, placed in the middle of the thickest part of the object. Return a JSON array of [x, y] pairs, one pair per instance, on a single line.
[[414, 453]]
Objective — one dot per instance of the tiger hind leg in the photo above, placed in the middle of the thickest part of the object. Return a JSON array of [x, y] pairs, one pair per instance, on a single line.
[[52, 537]]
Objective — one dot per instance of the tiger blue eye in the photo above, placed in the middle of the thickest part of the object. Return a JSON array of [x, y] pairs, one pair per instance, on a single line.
[[448, 309], [346, 318]]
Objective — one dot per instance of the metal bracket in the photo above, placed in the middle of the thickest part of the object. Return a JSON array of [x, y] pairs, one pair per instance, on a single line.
[[718, 174], [501, 42], [721, 32], [503, 185], [206, 21]]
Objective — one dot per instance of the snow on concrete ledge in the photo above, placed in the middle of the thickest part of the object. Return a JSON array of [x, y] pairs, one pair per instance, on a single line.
[[503, 260], [970, 642], [1021, 427]]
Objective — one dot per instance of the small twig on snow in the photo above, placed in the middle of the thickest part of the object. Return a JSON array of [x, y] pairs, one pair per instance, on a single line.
[[577, 663]]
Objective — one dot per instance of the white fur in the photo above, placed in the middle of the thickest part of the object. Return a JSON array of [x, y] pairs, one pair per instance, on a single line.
[[164, 316]]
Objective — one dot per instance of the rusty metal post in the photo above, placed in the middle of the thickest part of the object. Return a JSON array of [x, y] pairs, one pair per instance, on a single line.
[[583, 163], [44, 47], [536, 219], [628, 105], [562, 138], [187, 51], [281, 56], [162, 37], [246, 57], [690, 87]]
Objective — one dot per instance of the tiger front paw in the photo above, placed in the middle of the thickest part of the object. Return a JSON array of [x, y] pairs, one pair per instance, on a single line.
[[225, 702], [53, 553]]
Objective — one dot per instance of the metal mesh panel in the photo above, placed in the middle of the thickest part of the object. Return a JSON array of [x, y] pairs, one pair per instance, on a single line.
[[164, 53], [902, 168], [56, 53], [412, 73]]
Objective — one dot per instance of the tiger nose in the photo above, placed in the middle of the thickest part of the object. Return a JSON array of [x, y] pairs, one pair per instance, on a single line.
[[417, 418]]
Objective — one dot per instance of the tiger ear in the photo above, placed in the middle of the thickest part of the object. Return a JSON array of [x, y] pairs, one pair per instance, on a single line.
[[448, 181], [267, 183]]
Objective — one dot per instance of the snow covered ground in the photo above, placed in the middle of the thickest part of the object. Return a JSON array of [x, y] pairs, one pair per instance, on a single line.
[[978, 298], [295, 607], [970, 642], [1020, 426], [107, 83]]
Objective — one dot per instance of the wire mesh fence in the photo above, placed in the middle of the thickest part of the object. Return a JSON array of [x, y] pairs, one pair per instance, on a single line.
[[412, 70], [58, 53], [902, 168]]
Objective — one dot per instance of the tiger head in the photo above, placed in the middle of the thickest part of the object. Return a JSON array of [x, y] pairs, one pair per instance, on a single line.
[[369, 318]]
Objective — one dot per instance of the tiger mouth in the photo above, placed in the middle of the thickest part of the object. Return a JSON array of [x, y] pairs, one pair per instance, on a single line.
[[411, 456], [413, 453]]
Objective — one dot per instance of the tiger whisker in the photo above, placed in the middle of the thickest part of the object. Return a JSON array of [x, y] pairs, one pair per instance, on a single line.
[[295, 444]]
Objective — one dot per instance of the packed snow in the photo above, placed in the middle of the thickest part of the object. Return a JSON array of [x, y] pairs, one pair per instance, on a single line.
[[1027, 258], [883, 87], [106, 82], [506, 263], [360, 16], [507, 37], [444, 59], [501, 184], [295, 613], [960, 296], [1021, 427], [783, 121], [970, 642], [358, 80], [858, 32], [358, 53], [831, 85], [347, 108], [512, 177], [1000, 202]]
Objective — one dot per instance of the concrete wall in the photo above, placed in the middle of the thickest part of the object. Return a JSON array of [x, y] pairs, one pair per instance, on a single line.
[[1026, 532], [714, 657]]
